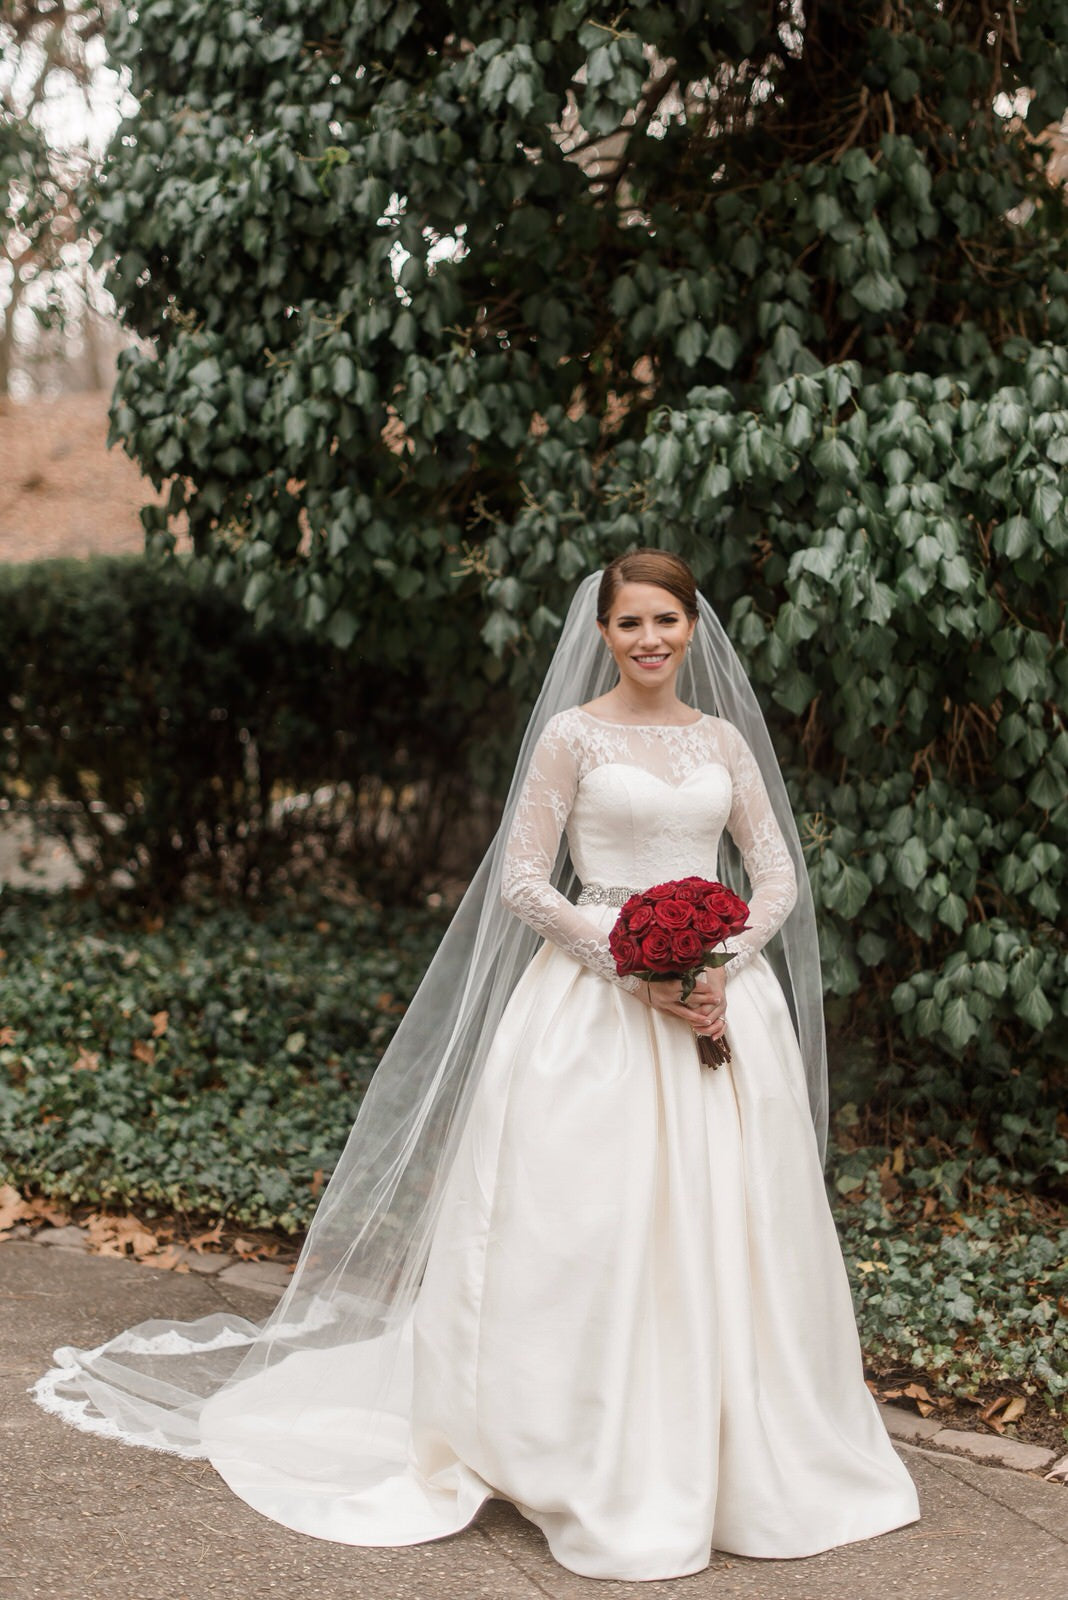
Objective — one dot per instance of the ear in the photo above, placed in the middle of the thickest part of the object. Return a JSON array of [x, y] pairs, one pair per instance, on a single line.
[[603, 631]]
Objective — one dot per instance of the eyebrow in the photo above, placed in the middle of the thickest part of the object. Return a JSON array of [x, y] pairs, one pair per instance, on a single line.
[[632, 616]]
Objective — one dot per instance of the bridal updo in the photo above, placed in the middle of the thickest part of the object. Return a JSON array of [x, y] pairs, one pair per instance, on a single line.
[[659, 567]]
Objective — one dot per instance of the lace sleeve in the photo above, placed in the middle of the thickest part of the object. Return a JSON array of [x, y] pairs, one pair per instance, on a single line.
[[542, 810], [772, 881]]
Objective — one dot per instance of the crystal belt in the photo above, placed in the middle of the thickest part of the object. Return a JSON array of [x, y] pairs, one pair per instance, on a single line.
[[599, 894]]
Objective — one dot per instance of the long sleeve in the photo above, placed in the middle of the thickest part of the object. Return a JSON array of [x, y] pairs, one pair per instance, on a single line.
[[544, 806], [772, 880]]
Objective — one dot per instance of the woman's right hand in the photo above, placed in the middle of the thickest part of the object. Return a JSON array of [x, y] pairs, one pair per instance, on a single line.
[[705, 1010]]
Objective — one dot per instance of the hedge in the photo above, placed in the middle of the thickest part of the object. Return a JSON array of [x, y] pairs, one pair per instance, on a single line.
[[148, 721]]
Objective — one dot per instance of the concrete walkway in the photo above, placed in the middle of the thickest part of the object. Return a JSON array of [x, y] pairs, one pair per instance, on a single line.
[[87, 1519]]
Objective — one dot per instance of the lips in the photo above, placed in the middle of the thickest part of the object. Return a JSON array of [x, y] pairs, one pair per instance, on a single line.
[[649, 662]]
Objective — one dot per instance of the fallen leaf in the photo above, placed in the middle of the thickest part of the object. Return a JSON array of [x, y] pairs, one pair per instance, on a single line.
[[889, 1187], [1015, 1409], [170, 1260], [88, 1061], [322, 927], [160, 1020], [144, 1050], [7, 1036], [13, 1208], [924, 1403], [248, 1250], [201, 1241], [316, 1182], [120, 1236]]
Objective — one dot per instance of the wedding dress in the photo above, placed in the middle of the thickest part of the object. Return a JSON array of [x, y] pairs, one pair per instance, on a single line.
[[558, 1261], [634, 1322]]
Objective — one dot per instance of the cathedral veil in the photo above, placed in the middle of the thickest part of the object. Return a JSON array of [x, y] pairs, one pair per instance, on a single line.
[[361, 1264]]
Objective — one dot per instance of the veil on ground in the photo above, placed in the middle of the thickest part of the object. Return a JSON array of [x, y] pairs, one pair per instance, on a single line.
[[359, 1271]]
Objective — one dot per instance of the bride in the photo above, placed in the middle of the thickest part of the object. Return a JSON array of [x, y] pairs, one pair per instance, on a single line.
[[560, 1262]]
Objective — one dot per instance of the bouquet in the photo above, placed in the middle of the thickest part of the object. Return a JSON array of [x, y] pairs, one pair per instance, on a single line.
[[670, 931]]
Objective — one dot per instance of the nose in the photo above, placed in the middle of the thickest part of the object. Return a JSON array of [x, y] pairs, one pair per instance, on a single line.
[[650, 636]]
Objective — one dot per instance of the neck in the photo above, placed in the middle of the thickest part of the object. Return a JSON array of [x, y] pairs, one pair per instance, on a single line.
[[658, 703]]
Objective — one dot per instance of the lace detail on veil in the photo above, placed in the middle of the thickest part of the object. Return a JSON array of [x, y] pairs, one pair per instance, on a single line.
[[571, 746]]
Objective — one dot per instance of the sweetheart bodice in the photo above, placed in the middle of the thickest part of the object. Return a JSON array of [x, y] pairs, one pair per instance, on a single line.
[[629, 826]]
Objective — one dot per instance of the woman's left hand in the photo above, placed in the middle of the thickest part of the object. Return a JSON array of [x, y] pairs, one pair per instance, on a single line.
[[708, 1002]]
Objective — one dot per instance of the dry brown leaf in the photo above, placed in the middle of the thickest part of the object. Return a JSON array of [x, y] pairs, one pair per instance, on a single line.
[[1015, 1409], [144, 1050], [248, 1250], [322, 927], [88, 1061], [7, 1035], [120, 1236], [316, 1182], [13, 1208], [201, 1241], [924, 1403], [160, 1020], [898, 1164], [889, 1187], [992, 1407], [170, 1260]]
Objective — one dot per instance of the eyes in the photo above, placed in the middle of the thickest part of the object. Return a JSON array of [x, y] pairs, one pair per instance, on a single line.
[[668, 619]]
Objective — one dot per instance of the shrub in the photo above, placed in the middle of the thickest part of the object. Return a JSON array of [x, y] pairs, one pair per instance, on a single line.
[[148, 721]]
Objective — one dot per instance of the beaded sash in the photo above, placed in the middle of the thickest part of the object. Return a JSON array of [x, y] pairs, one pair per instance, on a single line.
[[599, 894]]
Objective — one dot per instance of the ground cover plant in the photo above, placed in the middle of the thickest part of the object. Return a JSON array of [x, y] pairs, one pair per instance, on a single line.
[[208, 1068], [210, 1065]]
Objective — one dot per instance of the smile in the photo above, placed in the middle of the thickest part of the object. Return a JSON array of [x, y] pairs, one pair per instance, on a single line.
[[648, 661]]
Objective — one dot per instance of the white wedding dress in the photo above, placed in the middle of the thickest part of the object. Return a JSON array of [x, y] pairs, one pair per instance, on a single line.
[[635, 1322]]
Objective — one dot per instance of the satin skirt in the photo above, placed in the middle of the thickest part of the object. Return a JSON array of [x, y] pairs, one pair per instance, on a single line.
[[635, 1322]]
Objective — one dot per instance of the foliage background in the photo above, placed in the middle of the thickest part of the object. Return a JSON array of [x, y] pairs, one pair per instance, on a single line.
[[460, 301]]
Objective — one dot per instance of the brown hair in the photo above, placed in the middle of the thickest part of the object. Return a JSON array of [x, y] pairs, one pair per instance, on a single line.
[[659, 567]]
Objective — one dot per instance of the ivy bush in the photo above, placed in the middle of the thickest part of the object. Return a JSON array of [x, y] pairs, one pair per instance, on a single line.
[[211, 1065]]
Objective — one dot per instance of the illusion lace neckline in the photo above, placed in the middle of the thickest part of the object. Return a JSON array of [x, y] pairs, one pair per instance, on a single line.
[[674, 727]]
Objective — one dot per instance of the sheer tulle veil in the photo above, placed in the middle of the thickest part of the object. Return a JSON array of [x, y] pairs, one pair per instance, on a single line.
[[359, 1271]]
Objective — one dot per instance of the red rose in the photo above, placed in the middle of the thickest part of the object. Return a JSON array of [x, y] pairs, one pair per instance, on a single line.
[[726, 906], [656, 951], [711, 927], [639, 918], [687, 947], [691, 890], [660, 891], [626, 952], [673, 914]]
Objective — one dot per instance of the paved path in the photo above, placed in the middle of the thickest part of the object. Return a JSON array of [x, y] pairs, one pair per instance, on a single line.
[[86, 1519]]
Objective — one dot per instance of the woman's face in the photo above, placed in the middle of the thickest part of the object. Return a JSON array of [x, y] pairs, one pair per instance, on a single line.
[[647, 633]]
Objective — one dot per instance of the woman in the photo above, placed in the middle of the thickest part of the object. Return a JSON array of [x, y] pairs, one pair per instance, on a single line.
[[560, 1262]]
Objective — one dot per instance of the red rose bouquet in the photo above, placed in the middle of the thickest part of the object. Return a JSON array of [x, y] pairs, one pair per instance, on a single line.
[[670, 931]]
